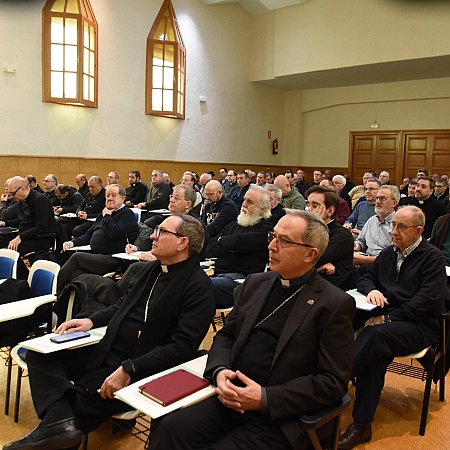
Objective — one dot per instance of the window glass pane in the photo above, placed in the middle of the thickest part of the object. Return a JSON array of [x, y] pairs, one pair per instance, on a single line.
[[92, 38], [168, 55], [157, 99], [159, 34], [168, 78], [56, 58], [86, 34], [180, 103], [158, 55], [72, 7], [167, 100], [91, 64], [70, 85], [57, 84], [71, 58], [85, 60], [157, 77], [57, 30], [170, 35], [85, 87], [181, 82], [91, 89], [71, 32], [58, 6]]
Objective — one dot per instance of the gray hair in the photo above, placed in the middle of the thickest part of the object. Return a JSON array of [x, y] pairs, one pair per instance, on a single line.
[[122, 191], [264, 201], [273, 188], [96, 179], [395, 193], [417, 215], [193, 230], [316, 233], [189, 193], [341, 179], [158, 171], [374, 180]]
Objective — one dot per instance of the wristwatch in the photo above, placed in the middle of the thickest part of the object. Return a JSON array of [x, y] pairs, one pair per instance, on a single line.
[[387, 318], [128, 366]]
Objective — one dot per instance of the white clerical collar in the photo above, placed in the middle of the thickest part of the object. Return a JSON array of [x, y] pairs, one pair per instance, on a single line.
[[164, 268]]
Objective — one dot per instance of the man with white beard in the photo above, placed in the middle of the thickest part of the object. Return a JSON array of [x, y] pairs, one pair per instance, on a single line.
[[241, 247]]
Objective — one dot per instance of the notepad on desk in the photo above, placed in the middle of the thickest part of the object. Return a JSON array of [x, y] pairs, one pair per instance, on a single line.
[[361, 300], [130, 256], [43, 344]]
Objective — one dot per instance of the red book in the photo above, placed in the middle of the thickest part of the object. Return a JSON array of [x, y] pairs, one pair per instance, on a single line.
[[172, 387]]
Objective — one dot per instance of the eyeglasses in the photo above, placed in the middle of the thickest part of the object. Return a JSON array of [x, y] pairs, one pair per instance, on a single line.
[[402, 226], [210, 194], [175, 197], [159, 230], [382, 198], [12, 194], [283, 241]]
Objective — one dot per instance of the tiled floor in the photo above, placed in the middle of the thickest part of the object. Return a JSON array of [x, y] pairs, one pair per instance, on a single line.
[[396, 426]]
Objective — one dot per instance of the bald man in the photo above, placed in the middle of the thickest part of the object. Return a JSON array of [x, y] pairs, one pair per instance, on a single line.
[[290, 197], [36, 218], [219, 210]]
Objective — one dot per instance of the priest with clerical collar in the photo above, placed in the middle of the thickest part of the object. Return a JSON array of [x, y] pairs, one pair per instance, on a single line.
[[159, 323], [286, 349]]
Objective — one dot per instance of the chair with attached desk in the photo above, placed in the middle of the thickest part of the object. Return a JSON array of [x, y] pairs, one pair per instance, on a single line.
[[43, 282], [8, 263]]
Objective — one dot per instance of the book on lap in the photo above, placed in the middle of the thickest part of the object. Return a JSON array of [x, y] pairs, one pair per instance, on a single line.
[[173, 386]]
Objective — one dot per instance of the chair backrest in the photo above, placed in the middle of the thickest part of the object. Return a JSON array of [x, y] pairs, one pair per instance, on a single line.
[[137, 213], [8, 263], [43, 277]]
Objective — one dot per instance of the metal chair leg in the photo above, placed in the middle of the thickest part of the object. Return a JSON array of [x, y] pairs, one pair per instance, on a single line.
[[8, 381], [18, 388]]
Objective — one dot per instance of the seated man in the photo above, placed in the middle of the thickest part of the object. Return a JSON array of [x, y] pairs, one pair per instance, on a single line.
[[277, 210], [112, 230], [363, 210], [158, 324], [286, 349], [70, 199], [50, 182], [335, 264], [219, 211], [344, 210], [136, 190], [90, 208], [440, 236], [9, 209], [290, 197], [407, 282], [238, 192], [241, 247], [35, 215], [376, 233]]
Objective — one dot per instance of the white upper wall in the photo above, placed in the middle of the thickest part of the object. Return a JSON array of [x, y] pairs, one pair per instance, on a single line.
[[331, 34], [231, 127]]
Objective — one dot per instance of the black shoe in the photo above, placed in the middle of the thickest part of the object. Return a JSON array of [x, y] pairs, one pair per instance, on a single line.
[[358, 432], [59, 435]]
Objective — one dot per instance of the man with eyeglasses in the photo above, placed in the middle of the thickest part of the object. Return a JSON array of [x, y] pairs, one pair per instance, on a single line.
[[219, 210], [285, 350], [82, 184], [158, 324], [36, 217], [158, 193], [408, 284], [376, 233], [50, 182], [231, 183], [241, 246], [363, 210]]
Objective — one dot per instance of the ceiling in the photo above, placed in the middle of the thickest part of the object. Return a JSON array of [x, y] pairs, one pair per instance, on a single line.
[[255, 7], [389, 72]]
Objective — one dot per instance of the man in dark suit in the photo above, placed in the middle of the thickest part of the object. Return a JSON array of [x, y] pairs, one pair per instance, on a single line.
[[159, 323], [286, 349]]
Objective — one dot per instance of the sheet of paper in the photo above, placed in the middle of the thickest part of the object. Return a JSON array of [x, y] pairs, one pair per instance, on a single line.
[[130, 256], [360, 300]]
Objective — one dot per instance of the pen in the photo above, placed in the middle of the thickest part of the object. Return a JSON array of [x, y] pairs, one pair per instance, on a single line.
[[127, 239]]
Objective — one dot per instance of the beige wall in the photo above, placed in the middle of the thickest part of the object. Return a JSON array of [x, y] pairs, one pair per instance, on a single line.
[[330, 34], [231, 127], [328, 115]]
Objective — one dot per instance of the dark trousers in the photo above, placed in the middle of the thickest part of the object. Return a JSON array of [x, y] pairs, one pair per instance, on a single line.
[[80, 263], [50, 380], [224, 286], [76, 227], [375, 348], [210, 425]]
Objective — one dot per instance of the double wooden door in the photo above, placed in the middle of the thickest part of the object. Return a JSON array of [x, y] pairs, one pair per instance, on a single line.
[[401, 153]]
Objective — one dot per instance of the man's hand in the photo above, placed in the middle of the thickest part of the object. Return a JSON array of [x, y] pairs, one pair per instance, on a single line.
[[247, 398], [327, 269], [74, 325], [375, 297], [67, 245], [128, 203], [348, 226], [130, 248], [117, 380], [14, 243], [107, 211], [82, 215], [374, 321], [147, 256], [2, 224], [4, 197], [140, 205]]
